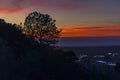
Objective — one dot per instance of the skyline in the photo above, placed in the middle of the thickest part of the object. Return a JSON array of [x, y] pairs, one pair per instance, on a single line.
[[71, 15]]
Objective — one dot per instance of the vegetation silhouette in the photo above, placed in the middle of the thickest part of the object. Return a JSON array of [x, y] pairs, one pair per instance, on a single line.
[[24, 54], [11, 33], [26, 59], [41, 27]]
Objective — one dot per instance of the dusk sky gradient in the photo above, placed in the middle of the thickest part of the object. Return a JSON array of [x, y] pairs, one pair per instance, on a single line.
[[75, 17]]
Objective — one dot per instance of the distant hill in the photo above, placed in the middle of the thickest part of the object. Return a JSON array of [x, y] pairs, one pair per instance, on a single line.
[[89, 41]]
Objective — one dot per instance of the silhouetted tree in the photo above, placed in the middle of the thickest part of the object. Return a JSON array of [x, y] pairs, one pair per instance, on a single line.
[[12, 33], [2, 21], [41, 27]]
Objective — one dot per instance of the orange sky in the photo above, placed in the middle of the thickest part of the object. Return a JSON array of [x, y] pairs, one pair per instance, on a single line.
[[72, 15], [105, 31]]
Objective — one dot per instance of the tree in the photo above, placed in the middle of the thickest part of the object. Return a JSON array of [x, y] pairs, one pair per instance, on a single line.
[[11, 33], [2, 21], [41, 27]]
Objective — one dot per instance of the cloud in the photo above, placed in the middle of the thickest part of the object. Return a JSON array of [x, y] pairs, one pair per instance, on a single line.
[[62, 4], [12, 6], [68, 6], [103, 31]]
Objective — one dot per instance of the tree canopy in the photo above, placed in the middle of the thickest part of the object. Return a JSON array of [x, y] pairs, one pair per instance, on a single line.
[[41, 27]]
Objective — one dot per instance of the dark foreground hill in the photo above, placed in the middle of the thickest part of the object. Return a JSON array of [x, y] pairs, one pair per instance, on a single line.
[[23, 59], [39, 63]]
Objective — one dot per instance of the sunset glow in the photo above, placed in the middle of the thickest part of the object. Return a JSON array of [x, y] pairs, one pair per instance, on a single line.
[[72, 16], [107, 31]]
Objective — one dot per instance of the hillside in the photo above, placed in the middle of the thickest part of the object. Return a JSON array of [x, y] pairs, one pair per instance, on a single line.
[[22, 58]]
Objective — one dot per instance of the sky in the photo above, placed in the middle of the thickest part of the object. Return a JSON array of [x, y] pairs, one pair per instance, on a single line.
[[77, 18]]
